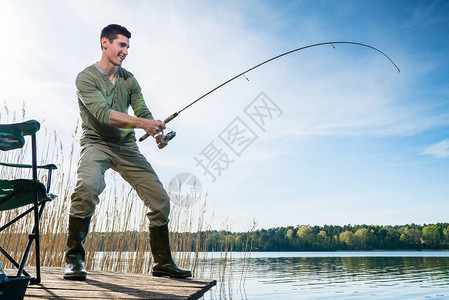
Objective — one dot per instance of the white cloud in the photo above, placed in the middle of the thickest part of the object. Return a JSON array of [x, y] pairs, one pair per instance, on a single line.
[[439, 150]]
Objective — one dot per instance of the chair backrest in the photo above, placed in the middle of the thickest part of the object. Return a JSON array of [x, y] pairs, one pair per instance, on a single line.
[[11, 135]]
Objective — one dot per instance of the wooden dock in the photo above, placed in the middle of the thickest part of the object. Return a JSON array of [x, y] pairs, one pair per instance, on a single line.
[[108, 285]]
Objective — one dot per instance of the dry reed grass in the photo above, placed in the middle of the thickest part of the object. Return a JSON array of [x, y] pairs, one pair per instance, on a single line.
[[120, 215]]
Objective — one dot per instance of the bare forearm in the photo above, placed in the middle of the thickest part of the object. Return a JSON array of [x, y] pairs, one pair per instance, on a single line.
[[121, 120]]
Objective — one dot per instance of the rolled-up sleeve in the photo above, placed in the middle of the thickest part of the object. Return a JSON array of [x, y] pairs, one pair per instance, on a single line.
[[92, 99]]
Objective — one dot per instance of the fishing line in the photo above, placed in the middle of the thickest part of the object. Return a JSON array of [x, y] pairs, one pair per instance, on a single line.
[[174, 115]]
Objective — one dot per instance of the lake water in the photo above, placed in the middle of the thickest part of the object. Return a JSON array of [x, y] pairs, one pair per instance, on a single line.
[[330, 275]]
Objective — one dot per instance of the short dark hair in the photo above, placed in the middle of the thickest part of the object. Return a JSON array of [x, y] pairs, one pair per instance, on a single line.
[[111, 31]]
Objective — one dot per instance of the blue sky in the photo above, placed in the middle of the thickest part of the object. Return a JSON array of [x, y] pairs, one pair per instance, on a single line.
[[356, 142]]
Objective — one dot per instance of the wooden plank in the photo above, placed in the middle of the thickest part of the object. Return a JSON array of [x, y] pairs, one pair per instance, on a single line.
[[109, 285]]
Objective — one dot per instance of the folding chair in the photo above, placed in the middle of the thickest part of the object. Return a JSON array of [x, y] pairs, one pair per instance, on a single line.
[[24, 192]]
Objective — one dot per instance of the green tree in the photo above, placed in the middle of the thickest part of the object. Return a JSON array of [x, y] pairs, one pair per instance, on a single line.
[[323, 235], [361, 238], [323, 240], [411, 238], [446, 236], [347, 238], [290, 233], [305, 237], [433, 236]]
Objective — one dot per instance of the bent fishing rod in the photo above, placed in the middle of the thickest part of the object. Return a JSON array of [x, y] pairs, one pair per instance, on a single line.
[[172, 134]]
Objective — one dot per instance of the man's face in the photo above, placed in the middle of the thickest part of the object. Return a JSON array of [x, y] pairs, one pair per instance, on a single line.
[[117, 50]]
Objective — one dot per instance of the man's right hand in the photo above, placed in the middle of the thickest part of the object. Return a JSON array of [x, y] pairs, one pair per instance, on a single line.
[[153, 127]]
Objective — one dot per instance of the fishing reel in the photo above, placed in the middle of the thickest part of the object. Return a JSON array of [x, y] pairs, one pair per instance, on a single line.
[[165, 138]]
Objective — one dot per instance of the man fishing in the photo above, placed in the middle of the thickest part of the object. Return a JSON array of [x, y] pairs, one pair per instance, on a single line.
[[105, 91]]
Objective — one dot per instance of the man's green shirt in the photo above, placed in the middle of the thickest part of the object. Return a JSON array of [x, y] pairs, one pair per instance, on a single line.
[[98, 97]]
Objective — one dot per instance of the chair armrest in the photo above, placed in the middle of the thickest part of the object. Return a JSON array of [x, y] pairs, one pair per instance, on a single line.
[[47, 167]]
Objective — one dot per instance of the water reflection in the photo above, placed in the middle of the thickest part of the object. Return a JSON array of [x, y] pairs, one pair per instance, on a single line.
[[333, 278]]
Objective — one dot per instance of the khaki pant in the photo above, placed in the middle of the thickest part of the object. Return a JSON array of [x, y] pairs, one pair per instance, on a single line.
[[96, 158]]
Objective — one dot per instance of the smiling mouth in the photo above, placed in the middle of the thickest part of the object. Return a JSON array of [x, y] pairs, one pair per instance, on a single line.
[[122, 57]]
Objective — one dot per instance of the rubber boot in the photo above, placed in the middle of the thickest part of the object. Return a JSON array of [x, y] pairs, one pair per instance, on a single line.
[[75, 255], [160, 248]]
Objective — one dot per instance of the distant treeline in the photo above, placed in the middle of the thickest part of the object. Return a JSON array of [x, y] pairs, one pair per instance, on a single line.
[[305, 238], [333, 238]]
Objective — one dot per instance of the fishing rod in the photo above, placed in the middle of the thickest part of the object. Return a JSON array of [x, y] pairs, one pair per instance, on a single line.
[[172, 134]]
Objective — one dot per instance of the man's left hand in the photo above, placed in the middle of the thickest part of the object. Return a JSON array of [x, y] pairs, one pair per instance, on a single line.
[[160, 144]]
